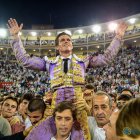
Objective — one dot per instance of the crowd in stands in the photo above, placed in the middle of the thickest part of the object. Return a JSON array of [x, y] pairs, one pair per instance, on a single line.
[[23, 80], [26, 101], [122, 73], [84, 40]]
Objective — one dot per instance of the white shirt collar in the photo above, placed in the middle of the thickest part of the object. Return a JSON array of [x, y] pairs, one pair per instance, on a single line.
[[67, 57], [68, 138]]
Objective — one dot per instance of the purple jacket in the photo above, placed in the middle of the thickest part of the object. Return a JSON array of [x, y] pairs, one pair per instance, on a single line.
[[47, 129], [38, 63]]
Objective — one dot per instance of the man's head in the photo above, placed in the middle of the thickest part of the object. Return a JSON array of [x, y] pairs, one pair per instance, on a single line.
[[122, 100], [12, 93], [88, 94], [36, 110], [9, 107], [127, 92], [64, 118], [102, 108], [63, 43], [128, 121], [23, 105], [48, 98]]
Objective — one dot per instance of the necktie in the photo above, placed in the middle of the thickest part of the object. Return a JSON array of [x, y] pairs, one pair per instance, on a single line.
[[66, 65]]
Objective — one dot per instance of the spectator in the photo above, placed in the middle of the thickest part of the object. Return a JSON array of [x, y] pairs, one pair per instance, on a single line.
[[22, 109], [122, 100], [102, 109], [128, 92], [36, 110], [127, 125], [9, 108], [60, 126]]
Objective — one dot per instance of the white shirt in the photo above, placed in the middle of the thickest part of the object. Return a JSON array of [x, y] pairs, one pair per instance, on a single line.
[[26, 122], [96, 132], [69, 61], [53, 138]]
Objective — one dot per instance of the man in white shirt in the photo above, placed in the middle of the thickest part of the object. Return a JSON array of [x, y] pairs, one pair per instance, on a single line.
[[102, 109]]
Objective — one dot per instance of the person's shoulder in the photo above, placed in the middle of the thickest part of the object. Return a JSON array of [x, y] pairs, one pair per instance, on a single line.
[[52, 59], [76, 134], [92, 123], [3, 120], [91, 120], [81, 58], [45, 129], [4, 125], [45, 123]]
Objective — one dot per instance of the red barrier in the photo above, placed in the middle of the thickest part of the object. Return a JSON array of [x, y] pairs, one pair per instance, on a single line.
[[5, 84]]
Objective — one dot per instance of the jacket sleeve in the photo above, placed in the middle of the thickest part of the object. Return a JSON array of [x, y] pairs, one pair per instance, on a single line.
[[108, 56], [25, 59]]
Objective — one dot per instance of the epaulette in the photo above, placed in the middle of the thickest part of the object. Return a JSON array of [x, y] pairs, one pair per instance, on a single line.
[[51, 60], [80, 58]]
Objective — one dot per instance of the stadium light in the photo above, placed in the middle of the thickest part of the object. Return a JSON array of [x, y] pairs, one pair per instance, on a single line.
[[96, 28], [20, 33], [33, 33], [68, 32], [3, 33], [132, 20], [59, 32], [112, 26], [49, 33], [80, 31]]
